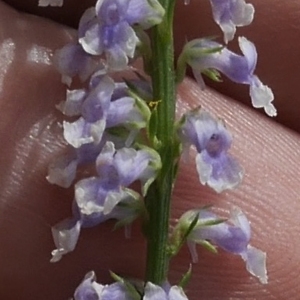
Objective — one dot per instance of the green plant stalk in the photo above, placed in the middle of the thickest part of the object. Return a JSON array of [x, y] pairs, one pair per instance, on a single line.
[[159, 195]]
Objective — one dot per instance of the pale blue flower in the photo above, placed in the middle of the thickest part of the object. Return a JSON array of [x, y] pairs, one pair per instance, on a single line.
[[204, 55], [89, 289], [97, 198], [72, 60], [155, 292], [108, 28], [106, 104], [212, 140], [233, 236], [229, 14], [62, 171]]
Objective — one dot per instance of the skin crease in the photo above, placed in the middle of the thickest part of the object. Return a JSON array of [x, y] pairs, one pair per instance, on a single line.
[[31, 136]]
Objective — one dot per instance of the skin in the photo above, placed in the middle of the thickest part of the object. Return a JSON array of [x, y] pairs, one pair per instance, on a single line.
[[31, 138]]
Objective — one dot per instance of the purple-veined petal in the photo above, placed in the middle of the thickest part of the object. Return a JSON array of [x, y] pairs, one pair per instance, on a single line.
[[117, 59], [220, 173], [71, 60], [215, 166], [239, 219], [128, 112], [249, 51], [127, 165], [81, 132], [113, 198], [121, 46], [72, 106], [63, 170], [107, 169], [146, 13], [87, 20], [232, 238], [176, 293], [237, 68], [229, 14], [262, 96], [131, 164], [256, 263], [89, 196], [115, 291], [65, 235], [89, 289], [91, 41], [97, 102], [154, 292], [111, 12], [205, 132], [140, 165]]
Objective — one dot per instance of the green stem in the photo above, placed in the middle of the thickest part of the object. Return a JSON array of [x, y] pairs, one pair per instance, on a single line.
[[159, 195]]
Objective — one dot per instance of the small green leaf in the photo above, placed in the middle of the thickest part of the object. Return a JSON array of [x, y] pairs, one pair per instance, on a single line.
[[186, 278], [212, 74], [207, 245]]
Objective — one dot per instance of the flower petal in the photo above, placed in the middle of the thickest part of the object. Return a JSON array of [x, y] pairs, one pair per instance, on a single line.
[[229, 14], [65, 235], [89, 289], [72, 106], [81, 132], [176, 293], [63, 170], [89, 196], [262, 96], [154, 292], [256, 263]]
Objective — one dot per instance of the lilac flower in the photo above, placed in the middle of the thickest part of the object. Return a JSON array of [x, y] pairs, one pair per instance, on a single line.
[[233, 237], [205, 55], [107, 28], [229, 14], [72, 60], [62, 171], [215, 166], [105, 105], [97, 198], [89, 289], [155, 292]]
